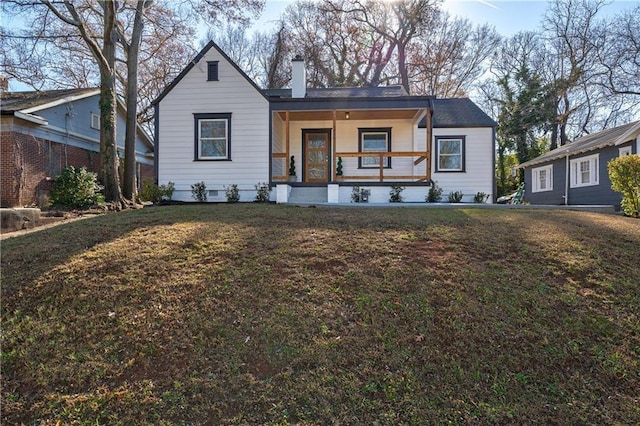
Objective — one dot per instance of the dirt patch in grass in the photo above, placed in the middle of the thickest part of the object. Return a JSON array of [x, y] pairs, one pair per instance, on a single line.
[[250, 314]]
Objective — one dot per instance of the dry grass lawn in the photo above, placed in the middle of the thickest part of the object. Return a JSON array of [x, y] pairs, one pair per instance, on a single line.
[[263, 314]]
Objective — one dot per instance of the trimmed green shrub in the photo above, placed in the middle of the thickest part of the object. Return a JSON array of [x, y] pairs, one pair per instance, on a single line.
[[455, 196], [435, 193], [480, 197], [395, 194], [232, 193], [199, 192], [262, 193], [624, 173], [149, 191], [76, 188]]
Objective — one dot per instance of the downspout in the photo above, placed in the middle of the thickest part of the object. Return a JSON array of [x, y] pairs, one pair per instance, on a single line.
[[566, 181], [156, 139]]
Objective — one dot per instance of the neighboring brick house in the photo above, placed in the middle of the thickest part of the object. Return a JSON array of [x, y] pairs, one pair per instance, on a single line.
[[43, 132]]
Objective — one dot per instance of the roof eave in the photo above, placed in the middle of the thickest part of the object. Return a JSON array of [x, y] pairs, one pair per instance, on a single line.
[[64, 100]]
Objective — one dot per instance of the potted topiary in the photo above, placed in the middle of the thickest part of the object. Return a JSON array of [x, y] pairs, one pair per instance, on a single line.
[[292, 170], [339, 168]]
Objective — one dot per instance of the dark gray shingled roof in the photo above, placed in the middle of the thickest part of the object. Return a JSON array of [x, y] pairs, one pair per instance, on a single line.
[[342, 92], [589, 143], [18, 101], [458, 112]]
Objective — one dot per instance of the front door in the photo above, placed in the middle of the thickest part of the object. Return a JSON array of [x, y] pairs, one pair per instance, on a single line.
[[316, 155]]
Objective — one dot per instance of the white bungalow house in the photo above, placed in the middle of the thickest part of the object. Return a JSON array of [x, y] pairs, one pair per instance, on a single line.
[[215, 125]]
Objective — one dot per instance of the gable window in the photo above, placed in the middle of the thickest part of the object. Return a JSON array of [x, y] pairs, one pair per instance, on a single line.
[[374, 140], [542, 179], [95, 121], [584, 171], [212, 71], [624, 151], [450, 151], [212, 136]]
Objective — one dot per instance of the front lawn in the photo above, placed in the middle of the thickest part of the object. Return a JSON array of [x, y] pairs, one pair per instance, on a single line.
[[263, 314]]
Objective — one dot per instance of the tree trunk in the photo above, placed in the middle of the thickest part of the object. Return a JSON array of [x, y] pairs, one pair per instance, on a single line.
[[129, 186], [108, 143]]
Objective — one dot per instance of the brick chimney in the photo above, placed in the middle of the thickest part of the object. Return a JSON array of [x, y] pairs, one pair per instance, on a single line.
[[298, 78]]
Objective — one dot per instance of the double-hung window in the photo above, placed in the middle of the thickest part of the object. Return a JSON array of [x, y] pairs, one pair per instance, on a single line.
[[450, 151], [542, 179], [212, 136], [584, 171], [624, 151], [374, 140]]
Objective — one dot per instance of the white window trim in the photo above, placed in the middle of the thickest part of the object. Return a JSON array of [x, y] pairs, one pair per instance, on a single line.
[[212, 117], [535, 178], [624, 151], [461, 154], [95, 118], [574, 167]]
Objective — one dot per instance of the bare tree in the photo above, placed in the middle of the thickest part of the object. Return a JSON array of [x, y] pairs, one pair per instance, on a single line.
[[449, 58]]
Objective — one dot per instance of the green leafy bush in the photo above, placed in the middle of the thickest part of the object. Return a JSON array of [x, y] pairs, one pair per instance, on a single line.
[[199, 192], [624, 173], [232, 193], [395, 194], [455, 196], [435, 193], [149, 191], [76, 188], [480, 197], [262, 193], [355, 194]]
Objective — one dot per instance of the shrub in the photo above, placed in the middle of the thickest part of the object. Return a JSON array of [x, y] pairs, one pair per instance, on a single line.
[[154, 193], [435, 193], [624, 173], [395, 195], [480, 197], [199, 191], [455, 196], [262, 193], [339, 167], [355, 194], [232, 193], [292, 166], [76, 188]]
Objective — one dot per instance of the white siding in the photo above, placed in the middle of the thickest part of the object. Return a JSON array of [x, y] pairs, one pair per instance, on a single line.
[[479, 152], [347, 141], [233, 94]]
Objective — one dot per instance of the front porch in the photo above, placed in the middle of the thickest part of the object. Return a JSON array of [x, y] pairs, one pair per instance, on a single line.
[[360, 143]]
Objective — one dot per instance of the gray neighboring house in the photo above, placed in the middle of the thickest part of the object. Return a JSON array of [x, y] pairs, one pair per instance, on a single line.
[[577, 173], [42, 132]]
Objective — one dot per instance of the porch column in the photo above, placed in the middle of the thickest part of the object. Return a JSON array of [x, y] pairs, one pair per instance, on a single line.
[[429, 137], [286, 138], [333, 150]]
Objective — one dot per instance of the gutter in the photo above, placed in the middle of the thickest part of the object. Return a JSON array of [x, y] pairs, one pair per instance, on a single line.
[[566, 181]]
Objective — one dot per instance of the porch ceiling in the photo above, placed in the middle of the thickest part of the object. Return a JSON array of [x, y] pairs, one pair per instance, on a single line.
[[376, 114]]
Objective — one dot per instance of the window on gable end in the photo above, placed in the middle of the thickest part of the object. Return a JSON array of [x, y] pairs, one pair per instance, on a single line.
[[212, 71], [212, 136], [95, 121]]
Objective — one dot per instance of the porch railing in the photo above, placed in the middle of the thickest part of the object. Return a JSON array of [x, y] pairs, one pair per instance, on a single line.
[[422, 156]]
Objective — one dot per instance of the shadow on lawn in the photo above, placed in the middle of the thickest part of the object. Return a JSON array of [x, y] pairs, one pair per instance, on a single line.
[[404, 309]]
